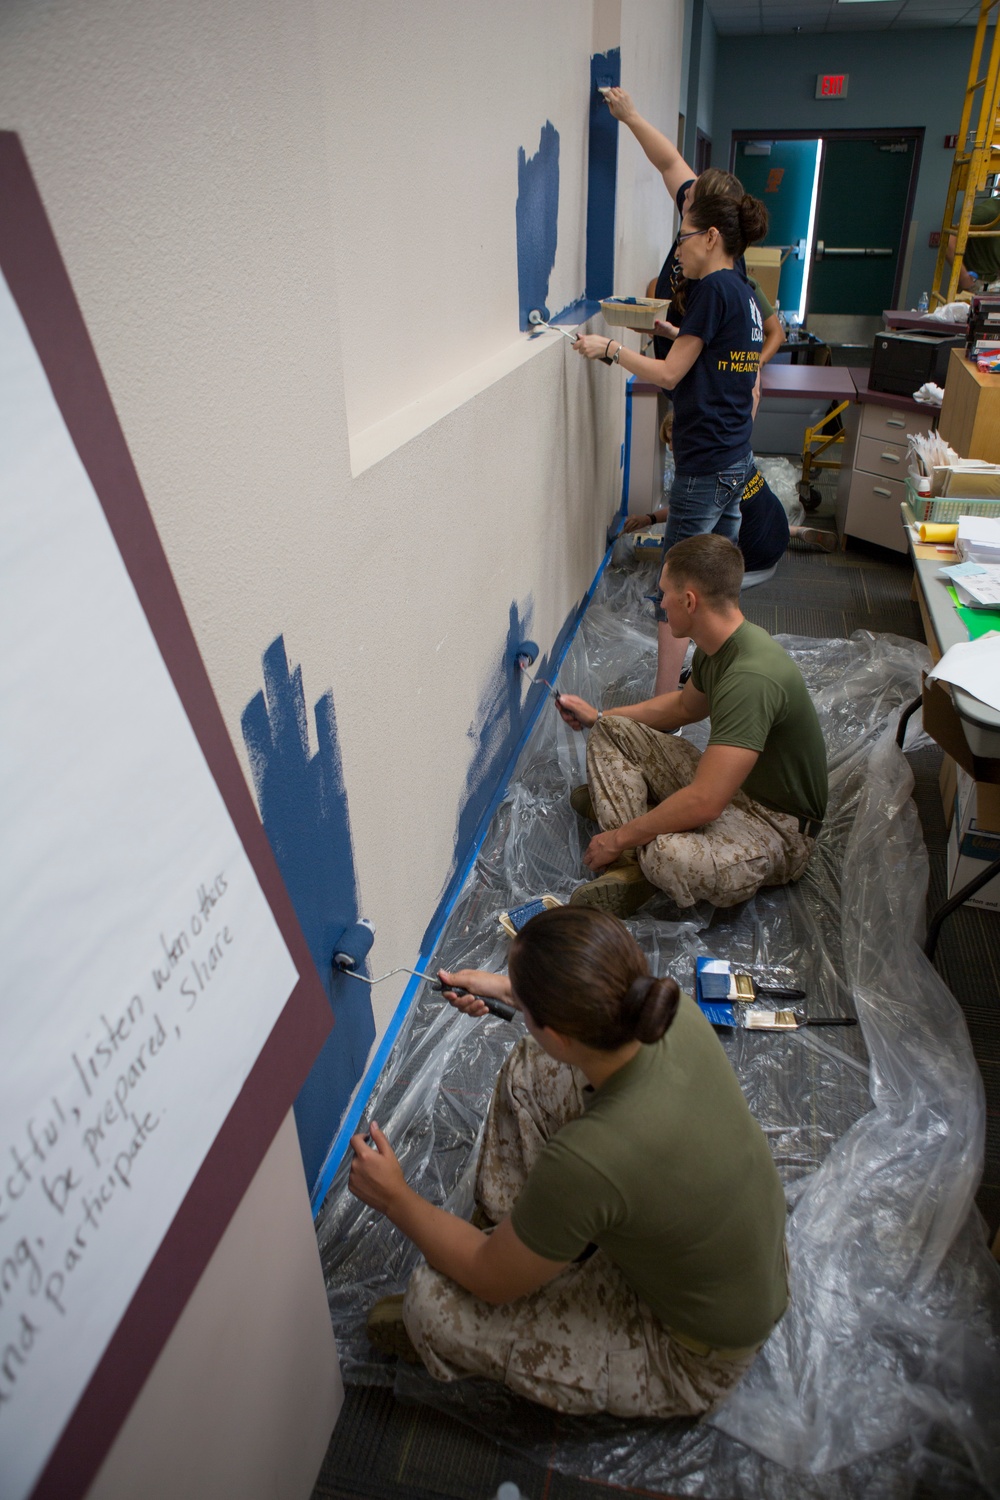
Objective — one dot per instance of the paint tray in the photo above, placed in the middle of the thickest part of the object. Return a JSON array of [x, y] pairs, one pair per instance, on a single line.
[[633, 312], [512, 921], [648, 543]]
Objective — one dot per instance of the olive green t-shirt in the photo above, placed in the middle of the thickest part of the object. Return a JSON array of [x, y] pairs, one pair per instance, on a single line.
[[766, 310], [983, 255], [668, 1172], [757, 700]]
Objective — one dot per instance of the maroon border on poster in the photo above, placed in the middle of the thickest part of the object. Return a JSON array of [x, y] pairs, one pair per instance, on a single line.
[[34, 270]]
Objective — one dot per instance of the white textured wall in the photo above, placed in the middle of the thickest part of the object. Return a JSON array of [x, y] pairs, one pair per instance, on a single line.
[[652, 35], [213, 219], [424, 179]]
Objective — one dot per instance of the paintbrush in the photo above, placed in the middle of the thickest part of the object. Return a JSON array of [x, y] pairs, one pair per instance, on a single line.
[[721, 1013]]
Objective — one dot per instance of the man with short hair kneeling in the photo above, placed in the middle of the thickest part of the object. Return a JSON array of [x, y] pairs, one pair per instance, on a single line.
[[715, 826]]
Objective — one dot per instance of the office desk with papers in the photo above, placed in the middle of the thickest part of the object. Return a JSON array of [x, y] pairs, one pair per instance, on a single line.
[[978, 744]]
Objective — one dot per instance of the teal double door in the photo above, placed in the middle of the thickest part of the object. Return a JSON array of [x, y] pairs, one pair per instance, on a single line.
[[846, 200]]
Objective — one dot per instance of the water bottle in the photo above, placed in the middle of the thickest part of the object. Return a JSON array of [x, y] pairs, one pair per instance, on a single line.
[[924, 303], [793, 329]]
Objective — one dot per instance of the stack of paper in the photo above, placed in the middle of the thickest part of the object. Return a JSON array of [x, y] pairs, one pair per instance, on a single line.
[[974, 666], [978, 539], [976, 584]]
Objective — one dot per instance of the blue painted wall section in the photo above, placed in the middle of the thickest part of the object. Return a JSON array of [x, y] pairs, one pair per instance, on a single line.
[[506, 707], [537, 216], [303, 805], [602, 173]]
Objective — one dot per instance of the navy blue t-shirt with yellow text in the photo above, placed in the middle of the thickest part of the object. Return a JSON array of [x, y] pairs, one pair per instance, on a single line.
[[713, 404]]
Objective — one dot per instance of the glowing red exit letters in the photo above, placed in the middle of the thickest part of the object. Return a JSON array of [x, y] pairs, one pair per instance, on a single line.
[[831, 85]]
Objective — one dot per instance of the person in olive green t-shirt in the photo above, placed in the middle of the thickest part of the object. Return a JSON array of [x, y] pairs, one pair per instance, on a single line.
[[634, 1259], [715, 826], [982, 252]]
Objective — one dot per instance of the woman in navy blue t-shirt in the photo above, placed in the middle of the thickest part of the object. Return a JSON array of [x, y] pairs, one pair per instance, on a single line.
[[711, 370]]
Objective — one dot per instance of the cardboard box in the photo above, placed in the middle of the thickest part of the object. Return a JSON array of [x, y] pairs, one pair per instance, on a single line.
[[764, 265], [979, 802], [971, 845], [943, 724]]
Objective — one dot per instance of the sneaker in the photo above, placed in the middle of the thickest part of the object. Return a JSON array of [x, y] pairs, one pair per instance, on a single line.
[[815, 536], [619, 890], [387, 1331], [579, 801]]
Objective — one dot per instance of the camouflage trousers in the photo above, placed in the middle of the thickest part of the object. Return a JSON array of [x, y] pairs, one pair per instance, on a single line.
[[584, 1342], [631, 768]]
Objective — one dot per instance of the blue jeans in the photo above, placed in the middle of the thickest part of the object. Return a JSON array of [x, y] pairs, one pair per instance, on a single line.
[[700, 503]]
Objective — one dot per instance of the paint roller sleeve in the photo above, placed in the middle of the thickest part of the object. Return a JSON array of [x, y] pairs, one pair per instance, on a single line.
[[353, 945]]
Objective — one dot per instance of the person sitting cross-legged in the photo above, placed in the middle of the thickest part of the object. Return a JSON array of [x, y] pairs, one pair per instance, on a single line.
[[627, 1253], [715, 826]]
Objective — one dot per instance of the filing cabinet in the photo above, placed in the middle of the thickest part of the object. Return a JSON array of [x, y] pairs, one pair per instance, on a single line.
[[873, 472]]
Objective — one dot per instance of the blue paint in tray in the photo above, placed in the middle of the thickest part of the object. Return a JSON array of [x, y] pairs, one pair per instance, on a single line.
[[303, 805]]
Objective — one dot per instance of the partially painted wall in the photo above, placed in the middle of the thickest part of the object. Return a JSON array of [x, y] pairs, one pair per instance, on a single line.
[[289, 227]]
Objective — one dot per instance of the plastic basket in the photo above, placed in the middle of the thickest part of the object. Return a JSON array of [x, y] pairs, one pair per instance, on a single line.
[[641, 313], [947, 507]]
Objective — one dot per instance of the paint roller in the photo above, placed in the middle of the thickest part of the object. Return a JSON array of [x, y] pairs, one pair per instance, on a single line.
[[355, 943], [538, 321], [524, 656]]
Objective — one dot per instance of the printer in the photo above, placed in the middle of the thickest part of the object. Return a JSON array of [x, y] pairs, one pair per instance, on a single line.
[[904, 360]]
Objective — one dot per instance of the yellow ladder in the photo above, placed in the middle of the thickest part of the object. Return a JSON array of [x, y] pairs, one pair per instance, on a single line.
[[972, 164]]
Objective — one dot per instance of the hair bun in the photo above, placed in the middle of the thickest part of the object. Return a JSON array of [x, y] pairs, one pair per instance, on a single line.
[[753, 219], [650, 1005]]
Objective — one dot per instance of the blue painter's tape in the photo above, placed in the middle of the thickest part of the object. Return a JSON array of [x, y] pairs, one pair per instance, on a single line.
[[626, 471], [602, 172], [303, 806], [537, 215], [445, 907]]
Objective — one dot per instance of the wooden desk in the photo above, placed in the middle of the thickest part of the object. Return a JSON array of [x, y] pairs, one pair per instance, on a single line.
[[980, 724], [821, 382], [904, 317], [970, 414], [944, 627]]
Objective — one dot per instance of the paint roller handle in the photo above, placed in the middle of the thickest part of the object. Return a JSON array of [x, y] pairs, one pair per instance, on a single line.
[[495, 1007], [498, 1008]]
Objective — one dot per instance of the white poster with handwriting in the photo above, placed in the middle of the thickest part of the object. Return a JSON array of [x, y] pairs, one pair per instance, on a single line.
[[141, 969]]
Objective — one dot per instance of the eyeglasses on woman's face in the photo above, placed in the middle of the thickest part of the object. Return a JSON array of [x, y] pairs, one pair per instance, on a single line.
[[689, 234]]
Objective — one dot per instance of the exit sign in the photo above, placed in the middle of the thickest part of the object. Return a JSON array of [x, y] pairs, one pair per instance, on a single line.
[[831, 85]]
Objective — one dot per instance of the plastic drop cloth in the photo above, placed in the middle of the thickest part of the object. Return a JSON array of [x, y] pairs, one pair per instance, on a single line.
[[884, 1373], [783, 476], [780, 473]]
